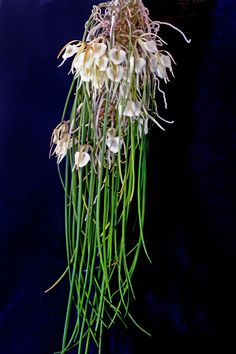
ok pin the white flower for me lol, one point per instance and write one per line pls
(166, 61)
(139, 65)
(78, 62)
(102, 63)
(159, 63)
(62, 146)
(71, 50)
(88, 58)
(117, 56)
(98, 80)
(115, 74)
(86, 74)
(161, 72)
(148, 46)
(114, 144)
(132, 109)
(81, 159)
(153, 63)
(99, 49)
(83, 62)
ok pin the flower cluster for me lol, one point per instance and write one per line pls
(97, 63)
(122, 55)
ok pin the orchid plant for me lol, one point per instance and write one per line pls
(118, 68)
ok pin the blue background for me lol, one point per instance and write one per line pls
(188, 292)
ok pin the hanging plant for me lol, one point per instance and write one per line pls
(118, 68)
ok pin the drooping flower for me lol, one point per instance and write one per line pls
(102, 62)
(115, 73)
(113, 141)
(159, 64)
(139, 65)
(86, 74)
(98, 80)
(88, 58)
(99, 49)
(117, 56)
(148, 46)
(114, 144)
(132, 109)
(62, 148)
(70, 51)
(82, 158)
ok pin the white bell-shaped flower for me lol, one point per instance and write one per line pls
(160, 63)
(81, 159)
(98, 80)
(102, 63)
(132, 109)
(148, 46)
(115, 74)
(139, 65)
(78, 61)
(117, 56)
(88, 58)
(62, 147)
(86, 74)
(165, 60)
(71, 50)
(161, 72)
(153, 63)
(99, 49)
(114, 144)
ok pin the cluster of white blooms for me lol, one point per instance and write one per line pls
(99, 65)
(95, 62)
(121, 54)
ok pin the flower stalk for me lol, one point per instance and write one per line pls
(118, 69)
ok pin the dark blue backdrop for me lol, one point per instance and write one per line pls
(188, 292)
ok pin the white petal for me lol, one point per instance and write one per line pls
(70, 51)
(117, 55)
(114, 144)
(98, 80)
(62, 148)
(153, 63)
(86, 75)
(161, 72)
(79, 62)
(81, 159)
(88, 58)
(139, 65)
(115, 74)
(102, 63)
(99, 49)
(165, 60)
(150, 46)
(132, 109)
